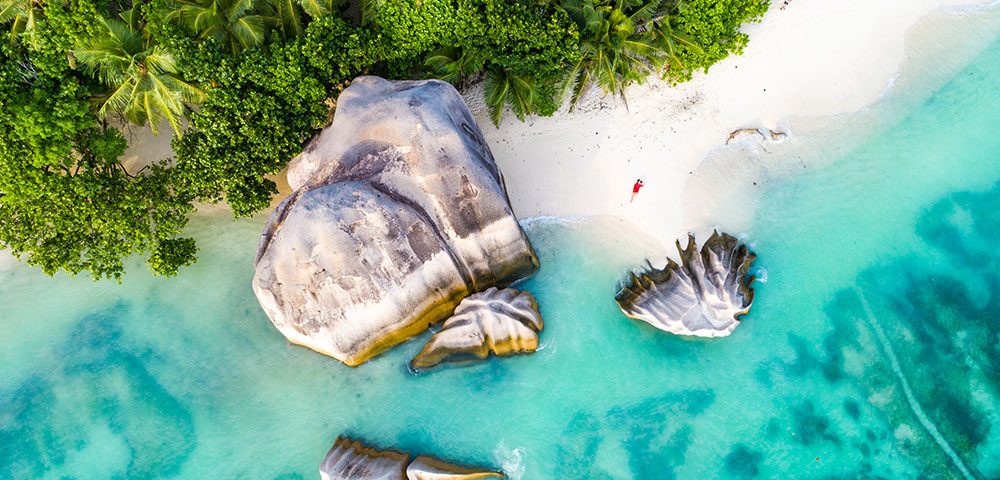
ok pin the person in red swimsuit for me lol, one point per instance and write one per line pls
(635, 189)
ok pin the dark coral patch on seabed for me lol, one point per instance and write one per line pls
(928, 327)
(653, 433)
(97, 370)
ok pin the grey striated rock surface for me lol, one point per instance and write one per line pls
(352, 460)
(704, 296)
(398, 213)
(504, 322)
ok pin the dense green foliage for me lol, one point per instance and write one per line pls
(254, 79)
(66, 203)
(258, 111)
(714, 27)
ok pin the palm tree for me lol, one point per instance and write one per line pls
(143, 78)
(233, 23)
(661, 25)
(24, 15)
(615, 53)
(504, 87)
(455, 65)
(285, 17)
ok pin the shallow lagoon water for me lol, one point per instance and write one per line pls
(871, 351)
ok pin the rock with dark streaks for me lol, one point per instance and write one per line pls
(398, 213)
(503, 322)
(352, 460)
(704, 296)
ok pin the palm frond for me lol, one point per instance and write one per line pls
(132, 18)
(119, 100)
(495, 92)
(249, 30)
(201, 18)
(286, 18)
(369, 9)
(503, 87)
(237, 9)
(643, 13)
(11, 9)
(318, 8)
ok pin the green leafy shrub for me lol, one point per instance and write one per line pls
(259, 108)
(714, 26)
(171, 254)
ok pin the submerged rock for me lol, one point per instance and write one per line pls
(351, 460)
(704, 296)
(505, 322)
(430, 468)
(398, 213)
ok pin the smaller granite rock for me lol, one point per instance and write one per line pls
(505, 322)
(704, 296)
(350, 460)
(430, 468)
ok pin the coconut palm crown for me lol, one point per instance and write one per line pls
(143, 77)
(622, 41)
(615, 53)
(233, 23)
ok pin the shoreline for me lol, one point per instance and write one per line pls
(584, 163)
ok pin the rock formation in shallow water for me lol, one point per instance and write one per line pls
(430, 468)
(351, 460)
(505, 322)
(398, 213)
(704, 296)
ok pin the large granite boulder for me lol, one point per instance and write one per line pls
(704, 296)
(398, 213)
(504, 322)
(351, 460)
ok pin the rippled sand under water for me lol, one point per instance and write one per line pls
(871, 352)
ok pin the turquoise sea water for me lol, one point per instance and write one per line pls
(870, 352)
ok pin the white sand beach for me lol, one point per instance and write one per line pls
(813, 59)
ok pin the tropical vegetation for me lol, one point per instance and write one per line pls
(244, 83)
